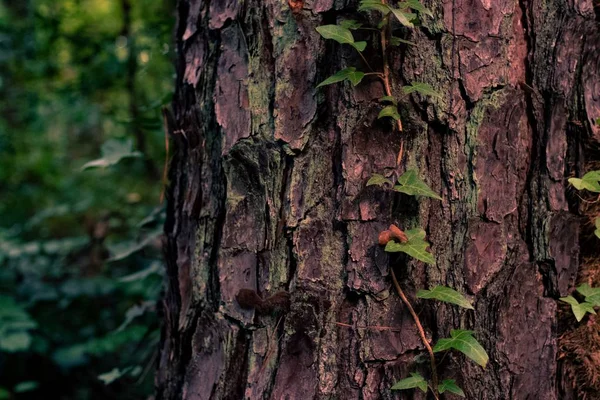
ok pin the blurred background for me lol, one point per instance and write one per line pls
(82, 153)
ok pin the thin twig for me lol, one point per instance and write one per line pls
(434, 378)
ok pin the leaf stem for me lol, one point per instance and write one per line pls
(434, 378)
(366, 62)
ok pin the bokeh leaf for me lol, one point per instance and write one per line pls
(113, 151)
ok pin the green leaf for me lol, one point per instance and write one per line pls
(403, 17)
(113, 151)
(588, 291)
(378, 180)
(597, 121)
(109, 377)
(336, 32)
(421, 87)
(579, 309)
(26, 386)
(350, 24)
(15, 323)
(449, 385)
(411, 184)
(124, 249)
(414, 381)
(349, 73)
(373, 5)
(4, 394)
(446, 294)
(417, 6)
(395, 41)
(597, 231)
(415, 247)
(360, 46)
(13, 342)
(391, 99)
(389, 111)
(590, 181)
(154, 268)
(464, 342)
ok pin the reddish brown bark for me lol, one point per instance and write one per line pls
(268, 193)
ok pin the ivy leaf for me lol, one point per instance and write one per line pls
(416, 246)
(360, 46)
(449, 385)
(389, 111)
(373, 5)
(592, 295)
(414, 381)
(350, 24)
(421, 87)
(395, 41)
(336, 32)
(464, 342)
(113, 151)
(403, 17)
(411, 184)
(417, 6)
(379, 180)
(597, 231)
(391, 99)
(579, 309)
(349, 73)
(446, 294)
(590, 181)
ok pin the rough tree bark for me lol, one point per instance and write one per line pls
(268, 193)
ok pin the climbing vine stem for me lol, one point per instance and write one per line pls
(412, 241)
(434, 377)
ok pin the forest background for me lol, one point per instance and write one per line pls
(82, 152)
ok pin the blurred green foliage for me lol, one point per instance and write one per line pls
(81, 150)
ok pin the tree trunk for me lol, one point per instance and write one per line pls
(268, 192)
